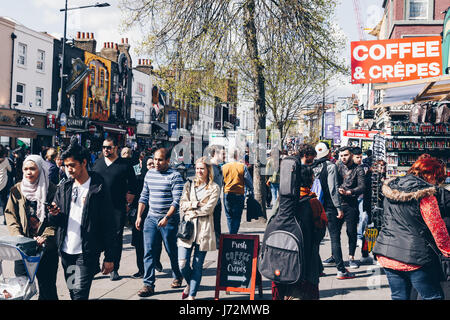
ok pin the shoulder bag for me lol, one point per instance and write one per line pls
(186, 228)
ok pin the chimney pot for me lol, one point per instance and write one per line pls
(117, 46)
(83, 35)
(78, 35)
(92, 35)
(126, 40)
(123, 40)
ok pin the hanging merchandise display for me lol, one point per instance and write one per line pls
(425, 132)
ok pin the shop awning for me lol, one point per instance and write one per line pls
(44, 132)
(416, 91)
(15, 132)
(114, 128)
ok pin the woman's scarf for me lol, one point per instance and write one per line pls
(37, 191)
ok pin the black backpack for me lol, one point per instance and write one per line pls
(281, 257)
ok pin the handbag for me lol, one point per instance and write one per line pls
(185, 228)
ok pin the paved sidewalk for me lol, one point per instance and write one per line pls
(370, 283)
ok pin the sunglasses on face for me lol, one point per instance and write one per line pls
(107, 147)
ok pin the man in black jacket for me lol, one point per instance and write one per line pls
(352, 185)
(121, 183)
(81, 212)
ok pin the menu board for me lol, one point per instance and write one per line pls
(237, 262)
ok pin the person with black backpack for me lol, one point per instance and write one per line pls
(312, 218)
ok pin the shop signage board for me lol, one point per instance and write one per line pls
(329, 125)
(395, 60)
(237, 264)
(337, 135)
(173, 117)
(364, 134)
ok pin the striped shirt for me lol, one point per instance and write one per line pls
(161, 191)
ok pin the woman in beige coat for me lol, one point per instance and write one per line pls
(197, 205)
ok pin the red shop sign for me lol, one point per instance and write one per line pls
(360, 134)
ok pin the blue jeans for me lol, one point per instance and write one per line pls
(424, 280)
(274, 187)
(192, 275)
(153, 238)
(234, 205)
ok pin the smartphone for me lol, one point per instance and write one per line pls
(48, 205)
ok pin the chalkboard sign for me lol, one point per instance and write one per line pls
(237, 262)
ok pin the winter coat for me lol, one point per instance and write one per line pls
(204, 216)
(403, 236)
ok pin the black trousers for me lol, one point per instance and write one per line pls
(217, 218)
(138, 243)
(78, 274)
(351, 218)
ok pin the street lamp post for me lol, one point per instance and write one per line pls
(62, 75)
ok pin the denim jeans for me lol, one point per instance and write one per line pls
(335, 226)
(274, 187)
(424, 280)
(234, 205)
(192, 275)
(154, 236)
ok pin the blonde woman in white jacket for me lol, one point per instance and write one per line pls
(197, 205)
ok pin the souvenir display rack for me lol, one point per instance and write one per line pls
(379, 153)
(409, 140)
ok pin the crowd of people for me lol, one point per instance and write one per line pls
(76, 208)
(415, 217)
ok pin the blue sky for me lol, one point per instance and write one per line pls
(44, 15)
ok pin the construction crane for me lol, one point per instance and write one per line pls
(359, 25)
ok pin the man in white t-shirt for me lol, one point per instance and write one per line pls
(81, 212)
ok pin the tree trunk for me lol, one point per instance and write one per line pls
(259, 98)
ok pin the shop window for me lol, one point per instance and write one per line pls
(418, 9)
(40, 66)
(20, 93)
(4, 141)
(22, 60)
(39, 97)
(102, 78)
(139, 115)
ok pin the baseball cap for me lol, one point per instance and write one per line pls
(322, 150)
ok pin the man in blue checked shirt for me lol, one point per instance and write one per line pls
(162, 191)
